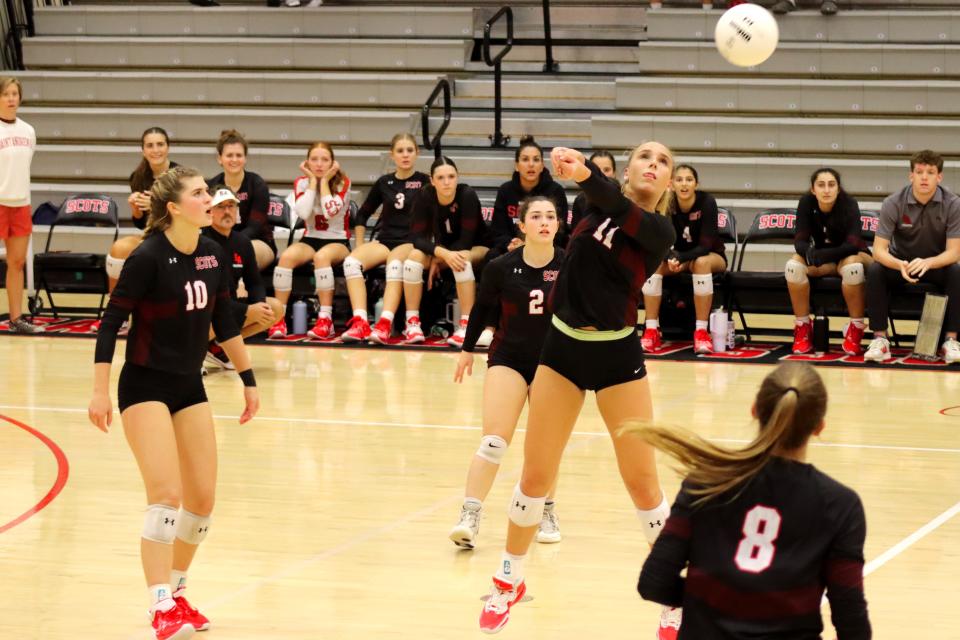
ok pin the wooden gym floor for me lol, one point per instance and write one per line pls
(334, 504)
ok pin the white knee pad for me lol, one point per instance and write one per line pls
(114, 267)
(192, 528)
(492, 449)
(653, 286)
(655, 519)
(852, 274)
(412, 272)
(352, 268)
(795, 272)
(324, 278)
(466, 275)
(282, 279)
(702, 284)
(525, 511)
(395, 271)
(160, 524)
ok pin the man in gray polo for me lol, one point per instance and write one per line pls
(918, 241)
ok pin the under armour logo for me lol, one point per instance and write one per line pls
(169, 521)
(655, 524)
(517, 270)
(202, 529)
(173, 260)
(523, 507)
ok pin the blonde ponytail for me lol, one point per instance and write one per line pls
(166, 189)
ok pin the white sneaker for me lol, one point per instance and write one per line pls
(878, 351)
(464, 534)
(483, 342)
(951, 350)
(456, 340)
(413, 333)
(549, 531)
(670, 619)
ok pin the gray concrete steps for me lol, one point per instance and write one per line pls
(538, 92)
(474, 130)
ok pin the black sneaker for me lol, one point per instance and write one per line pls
(23, 326)
(783, 6)
(217, 357)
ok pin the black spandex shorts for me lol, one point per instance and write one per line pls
(392, 244)
(319, 243)
(176, 390)
(526, 367)
(239, 311)
(594, 365)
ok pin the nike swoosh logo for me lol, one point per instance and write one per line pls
(637, 370)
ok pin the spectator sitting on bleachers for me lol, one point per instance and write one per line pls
(829, 242)
(322, 201)
(448, 232)
(608, 165)
(530, 178)
(253, 192)
(394, 194)
(155, 146)
(698, 250)
(918, 240)
(255, 312)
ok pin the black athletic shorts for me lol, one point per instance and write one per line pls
(176, 390)
(239, 311)
(392, 244)
(319, 243)
(593, 364)
(526, 367)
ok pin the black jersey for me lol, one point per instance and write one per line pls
(519, 293)
(142, 182)
(254, 196)
(174, 297)
(396, 197)
(241, 263)
(610, 254)
(696, 229)
(457, 226)
(822, 238)
(506, 208)
(758, 562)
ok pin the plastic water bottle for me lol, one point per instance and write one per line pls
(718, 330)
(821, 333)
(377, 309)
(731, 334)
(299, 317)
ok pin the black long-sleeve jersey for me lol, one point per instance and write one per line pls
(506, 208)
(141, 183)
(610, 254)
(241, 263)
(822, 238)
(517, 292)
(254, 195)
(174, 297)
(758, 562)
(396, 196)
(696, 229)
(457, 226)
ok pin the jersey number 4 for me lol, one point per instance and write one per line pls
(536, 302)
(761, 526)
(196, 294)
(602, 234)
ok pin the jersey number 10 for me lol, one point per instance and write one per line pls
(196, 294)
(761, 526)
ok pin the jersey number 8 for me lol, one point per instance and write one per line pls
(761, 526)
(196, 294)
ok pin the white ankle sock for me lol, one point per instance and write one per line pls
(858, 323)
(652, 324)
(511, 568)
(326, 312)
(161, 597)
(360, 313)
(801, 320)
(414, 313)
(702, 324)
(387, 315)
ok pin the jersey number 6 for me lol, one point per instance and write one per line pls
(761, 526)
(196, 294)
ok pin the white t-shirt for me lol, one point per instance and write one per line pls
(325, 218)
(17, 142)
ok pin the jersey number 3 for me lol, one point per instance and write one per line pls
(196, 294)
(536, 302)
(761, 526)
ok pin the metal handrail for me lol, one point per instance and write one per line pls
(550, 65)
(442, 86)
(497, 139)
(19, 21)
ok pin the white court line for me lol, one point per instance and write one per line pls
(465, 427)
(907, 542)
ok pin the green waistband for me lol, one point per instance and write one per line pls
(592, 336)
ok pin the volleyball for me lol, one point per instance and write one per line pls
(746, 35)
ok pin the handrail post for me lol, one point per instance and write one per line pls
(442, 86)
(550, 65)
(497, 139)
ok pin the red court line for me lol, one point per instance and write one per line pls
(63, 471)
(947, 412)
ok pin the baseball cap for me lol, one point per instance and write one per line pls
(223, 195)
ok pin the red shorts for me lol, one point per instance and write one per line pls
(15, 222)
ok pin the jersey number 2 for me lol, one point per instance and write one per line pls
(605, 236)
(196, 294)
(536, 302)
(761, 526)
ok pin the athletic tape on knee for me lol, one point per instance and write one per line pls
(492, 449)
(192, 528)
(114, 267)
(395, 271)
(160, 524)
(282, 279)
(324, 277)
(352, 268)
(852, 274)
(795, 272)
(525, 511)
(413, 272)
(653, 286)
(655, 519)
(702, 284)
(466, 275)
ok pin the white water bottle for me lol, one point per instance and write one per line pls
(299, 317)
(731, 334)
(718, 330)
